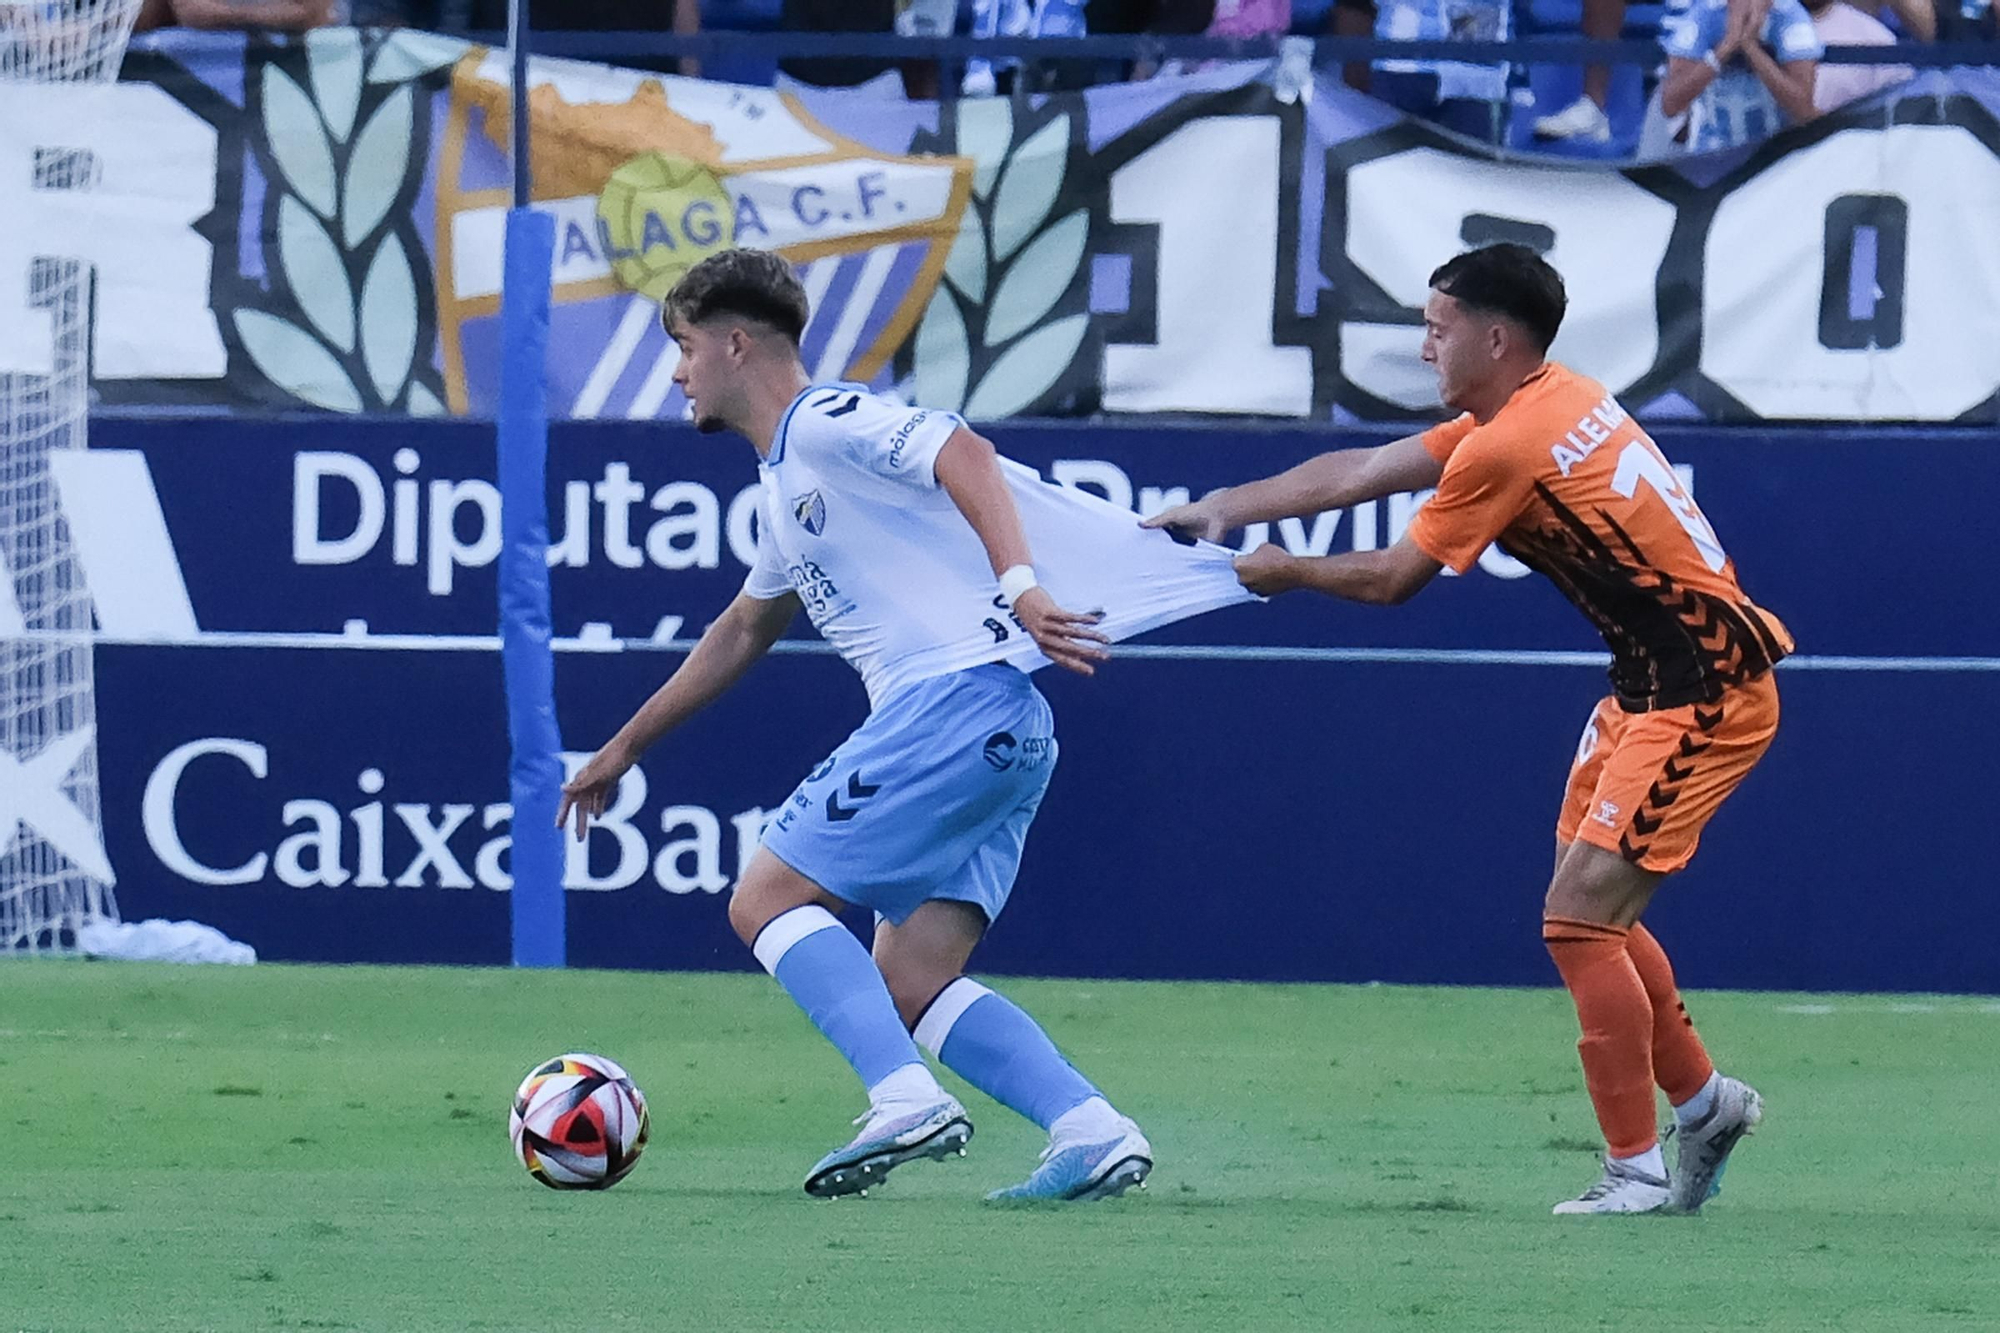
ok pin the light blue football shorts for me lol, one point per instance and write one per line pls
(930, 798)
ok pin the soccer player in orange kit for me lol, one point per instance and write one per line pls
(1548, 464)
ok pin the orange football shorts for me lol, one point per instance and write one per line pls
(1645, 784)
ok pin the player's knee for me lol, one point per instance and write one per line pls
(744, 917)
(753, 903)
(912, 988)
(1592, 884)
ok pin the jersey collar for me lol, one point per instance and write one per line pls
(777, 454)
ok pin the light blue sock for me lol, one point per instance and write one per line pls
(991, 1043)
(833, 979)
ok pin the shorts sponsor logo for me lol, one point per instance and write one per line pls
(1003, 752)
(1607, 814)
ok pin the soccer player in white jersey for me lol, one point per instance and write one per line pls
(941, 572)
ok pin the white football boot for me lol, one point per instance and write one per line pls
(1623, 1188)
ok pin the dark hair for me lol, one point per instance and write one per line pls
(1509, 280)
(750, 284)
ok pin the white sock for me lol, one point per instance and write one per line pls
(912, 1084)
(1094, 1118)
(1699, 1105)
(1651, 1161)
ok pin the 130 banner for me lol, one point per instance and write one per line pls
(318, 224)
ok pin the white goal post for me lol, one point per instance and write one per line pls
(53, 875)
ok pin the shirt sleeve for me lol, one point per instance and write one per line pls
(881, 437)
(767, 580)
(1440, 440)
(1685, 33)
(1793, 36)
(1482, 491)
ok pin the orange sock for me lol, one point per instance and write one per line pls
(1617, 1020)
(1680, 1062)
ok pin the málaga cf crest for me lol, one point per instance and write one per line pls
(810, 511)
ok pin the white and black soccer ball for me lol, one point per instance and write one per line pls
(579, 1123)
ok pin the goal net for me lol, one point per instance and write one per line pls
(53, 876)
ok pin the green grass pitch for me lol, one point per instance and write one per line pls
(325, 1148)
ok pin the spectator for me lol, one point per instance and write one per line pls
(1584, 118)
(1459, 96)
(1017, 18)
(1237, 18)
(1737, 70)
(1971, 21)
(1250, 18)
(1914, 20)
(1354, 18)
(1841, 24)
(283, 15)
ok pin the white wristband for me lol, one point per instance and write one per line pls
(1708, 58)
(1017, 581)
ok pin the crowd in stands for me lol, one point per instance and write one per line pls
(1733, 71)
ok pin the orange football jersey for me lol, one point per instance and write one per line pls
(1566, 482)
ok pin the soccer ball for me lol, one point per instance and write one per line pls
(579, 1123)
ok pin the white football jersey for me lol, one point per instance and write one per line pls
(854, 522)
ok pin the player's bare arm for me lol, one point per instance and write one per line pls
(1330, 481)
(969, 471)
(741, 635)
(1381, 578)
(1687, 79)
(1790, 82)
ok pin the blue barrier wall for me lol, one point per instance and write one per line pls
(1235, 809)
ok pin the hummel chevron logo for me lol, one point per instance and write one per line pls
(857, 791)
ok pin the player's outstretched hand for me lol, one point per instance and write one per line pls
(590, 791)
(1268, 570)
(1200, 521)
(1070, 639)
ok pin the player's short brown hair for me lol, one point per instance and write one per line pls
(1510, 280)
(749, 284)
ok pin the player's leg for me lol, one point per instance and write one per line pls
(1717, 747)
(1593, 898)
(994, 1045)
(788, 921)
(1681, 1067)
(1712, 1111)
(1643, 789)
(893, 813)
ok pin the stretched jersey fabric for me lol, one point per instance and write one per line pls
(1568, 484)
(854, 521)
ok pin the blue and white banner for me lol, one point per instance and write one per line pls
(385, 528)
(317, 224)
(1302, 790)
